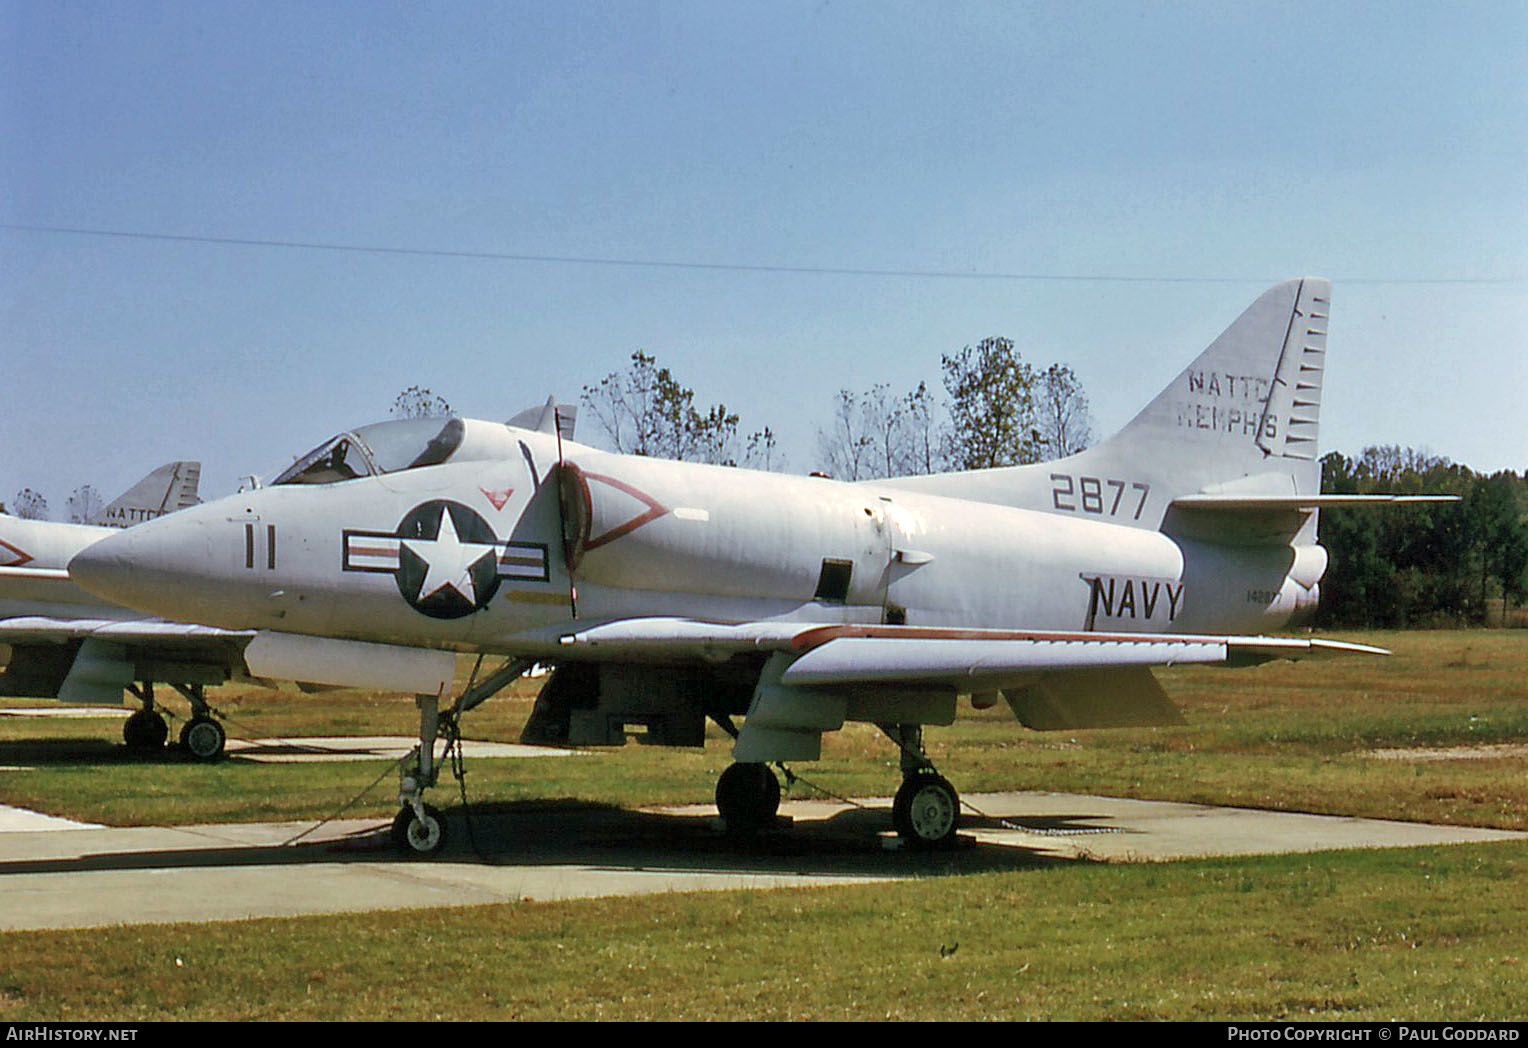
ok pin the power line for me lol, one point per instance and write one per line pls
(736, 267)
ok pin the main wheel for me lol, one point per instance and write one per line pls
(145, 731)
(747, 796)
(418, 837)
(926, 811)
(203, 738)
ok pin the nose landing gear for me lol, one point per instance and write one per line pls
(419, 828)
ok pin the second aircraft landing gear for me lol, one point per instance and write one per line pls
(748, 797)
(203, 738)
(146, 731)
(926, 810)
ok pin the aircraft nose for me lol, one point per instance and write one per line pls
(143, 567)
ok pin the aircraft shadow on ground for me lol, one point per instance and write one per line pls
(64, 751)
(606, 837)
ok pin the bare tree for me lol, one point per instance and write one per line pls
(419, 402)
(846, 446)
(762, 451)
(874, 434)
(31, 505)
(1061, 413)
(645, 411)
(85, 504)
(920, 433)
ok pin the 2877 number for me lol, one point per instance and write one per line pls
(1094, 495)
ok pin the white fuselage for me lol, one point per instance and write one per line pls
(371, 559)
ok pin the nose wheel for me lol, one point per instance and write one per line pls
(419, 829)
(421, 833)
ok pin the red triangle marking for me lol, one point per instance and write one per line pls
(498, 498)
(21, 556)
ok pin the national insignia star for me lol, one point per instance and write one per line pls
(449, 561)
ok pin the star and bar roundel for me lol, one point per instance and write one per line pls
(446, 559)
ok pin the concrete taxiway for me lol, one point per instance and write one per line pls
(72, 876)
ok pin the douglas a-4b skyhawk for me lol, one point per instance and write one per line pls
(666, 593)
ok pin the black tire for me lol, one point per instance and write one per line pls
(203, 738)
(416, 838)
(145, 731)
(748, 797)
(926, 811)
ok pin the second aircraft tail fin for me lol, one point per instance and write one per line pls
(171, 487)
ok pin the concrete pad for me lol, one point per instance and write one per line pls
(65, 878)
(1122, 830)
(376, 747)
(19, 820)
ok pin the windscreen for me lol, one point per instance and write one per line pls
(383, 447)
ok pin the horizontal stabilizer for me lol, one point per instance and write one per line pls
(1237, 519)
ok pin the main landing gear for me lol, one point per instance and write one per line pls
(926, 809)
(419, 828)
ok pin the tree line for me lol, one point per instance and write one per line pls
(1462, 562)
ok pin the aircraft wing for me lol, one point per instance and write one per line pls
(1053, 680)
(91, 661)
(36, 628)
(969, 657)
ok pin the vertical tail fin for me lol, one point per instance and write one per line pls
(171, 487)
(1243, 418)
(1253, 396)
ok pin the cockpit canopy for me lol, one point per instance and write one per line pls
(383, 447)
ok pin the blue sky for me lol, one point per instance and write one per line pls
(1202, 151)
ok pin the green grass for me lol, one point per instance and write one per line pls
(1419, 934)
